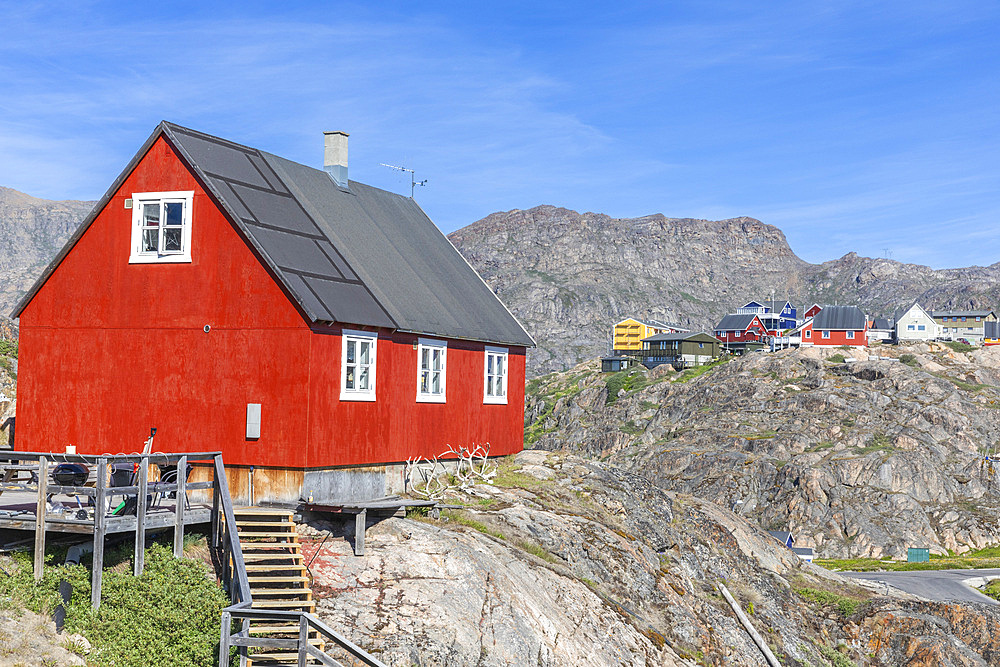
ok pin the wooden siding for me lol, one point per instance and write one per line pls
(109, 349)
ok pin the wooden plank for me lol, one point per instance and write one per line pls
(179, 507)
(140, 519)
(215, 512)
(303, 640)
(264, 642)
(43, 480)
(100, 519)
(360, 521)
(225, 638)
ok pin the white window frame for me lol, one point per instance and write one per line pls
(137, 255)
(826, 333)
(809, 333)
(499, 352)
(850, 334)
(431, 346)
(348, 335)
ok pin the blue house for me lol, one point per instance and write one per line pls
(776, 315)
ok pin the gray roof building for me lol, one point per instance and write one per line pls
(840, 318)
(961, 313)
(343, 251)
(735, 322)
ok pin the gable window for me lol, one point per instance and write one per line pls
(826, 334)
(357, 368)
(431, 355)
(161, 227)
(809, 333)
(495, 375)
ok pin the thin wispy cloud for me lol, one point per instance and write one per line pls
(851, 126)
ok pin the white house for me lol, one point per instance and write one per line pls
(915, 323)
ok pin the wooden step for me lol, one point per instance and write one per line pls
(275, 568)
(271, 556)
(271, 545)
(286, 524)
(278, 579)
(262, 511)
(292, 628)
(279, 591)
(247, 535)
(309, 605)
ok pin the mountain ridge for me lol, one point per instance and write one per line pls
(569, 276)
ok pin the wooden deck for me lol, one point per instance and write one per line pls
(18, 508)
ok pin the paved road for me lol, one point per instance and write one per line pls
(937, 585)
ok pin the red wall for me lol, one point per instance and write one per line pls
(754, 332)
(108, 349)
(838, 338)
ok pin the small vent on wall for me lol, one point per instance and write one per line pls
(128, 203)
(253, 421)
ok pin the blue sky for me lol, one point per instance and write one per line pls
(849, 125)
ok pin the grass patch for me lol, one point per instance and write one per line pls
(692, 373)
(509, 476)
(8, 348)
(631, 380)
(631, 428)
(648, 405)
(837, 358)
(836, 658)
(820, 446)
(169, 616)
(879, 442)
(993, 589)
(964, 562)
(844, 604)
(961, 384)
(463, 519)
(909, 360)
(762, 435)
(959, 346)
(536, 549)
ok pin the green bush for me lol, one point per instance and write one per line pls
(959, 347)
(8, 348)
(837, 359)
(844, 604)
(908, 359)
(169, 616)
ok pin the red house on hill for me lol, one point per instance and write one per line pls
(301, 323)
(735, 331)
(835, 326)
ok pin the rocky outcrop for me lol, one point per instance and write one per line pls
(565, 561)
(856, 459)
(32, 231)
(570, 276)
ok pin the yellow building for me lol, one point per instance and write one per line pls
(628, 334)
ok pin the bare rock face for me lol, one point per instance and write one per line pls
(859, 459)
(32, 231)
(570, 562)
(570, 276)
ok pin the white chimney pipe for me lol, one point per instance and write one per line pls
(335, 156)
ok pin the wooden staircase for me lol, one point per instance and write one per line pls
(276, 571)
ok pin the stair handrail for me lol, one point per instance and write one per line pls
(226, 536)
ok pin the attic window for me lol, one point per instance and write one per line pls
(161, 227)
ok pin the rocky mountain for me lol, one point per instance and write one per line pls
(32, 231)
(859, 459)
(563, 561)
(569, 276)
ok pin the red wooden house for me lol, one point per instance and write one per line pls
(812, 311)
(835, 326)
(301, 323)
(735, 331)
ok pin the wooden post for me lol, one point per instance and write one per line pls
(303, 639)
(216, 508)
(224, 639)
(100, 523)
(43, 484)
(360, 520)
(181, 496)
(140, 517)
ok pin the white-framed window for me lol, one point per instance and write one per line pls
(910, 327)
(357, 366)
(739, 334)
(431, 362)
(850, 334)
(161, 227)
(826, 334)
(809, 333)
(921, 327)
(495, 375)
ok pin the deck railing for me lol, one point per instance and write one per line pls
(94, 518)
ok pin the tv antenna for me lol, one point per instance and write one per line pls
(413, 181)
(887, 253)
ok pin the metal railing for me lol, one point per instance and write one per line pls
(234, 576)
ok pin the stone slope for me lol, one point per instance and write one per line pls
(32, 231)
(569, 276)
(856, 459)
(567, 562)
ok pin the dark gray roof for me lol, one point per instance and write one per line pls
(840, 318)
(359, 256)
(882, 323)
(734, 323)
(681, 336)
(782, 536)
(991, 330)
(961, 313)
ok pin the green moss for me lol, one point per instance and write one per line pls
(837, 358)
(959, 347)
(908, 359)
(692, 373)
(463, 519)
(537, 550)
(844, 604)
